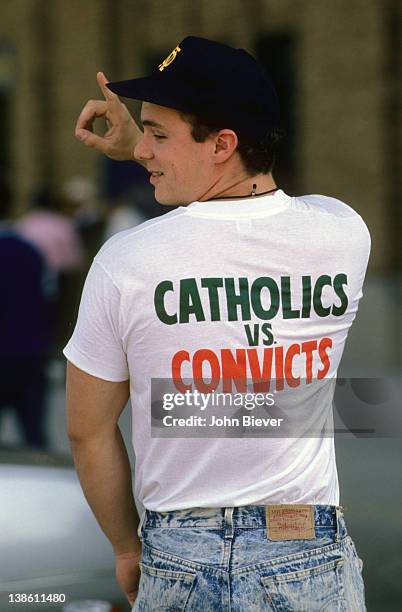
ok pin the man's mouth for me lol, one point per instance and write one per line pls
(154, 176)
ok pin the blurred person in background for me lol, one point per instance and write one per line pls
(121, 215)
(129, 181)
(83, 202)
(52, 231)
(50, 226)
(24, 328)
(127, 195)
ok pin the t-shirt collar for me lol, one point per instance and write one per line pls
(254, 206)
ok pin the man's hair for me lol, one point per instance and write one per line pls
(257, 158)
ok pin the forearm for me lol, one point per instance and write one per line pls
(104, 471)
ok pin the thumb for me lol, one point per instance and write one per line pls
(91, 140)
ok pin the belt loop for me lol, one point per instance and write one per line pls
(338, 527)
(141, 524)
(229, 522)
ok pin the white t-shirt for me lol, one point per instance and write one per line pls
(263, 288)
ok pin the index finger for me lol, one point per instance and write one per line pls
(91, 110)
(109, 95)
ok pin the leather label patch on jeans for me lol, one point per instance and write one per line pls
(290, 522)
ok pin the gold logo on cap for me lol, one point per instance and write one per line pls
(170, 58)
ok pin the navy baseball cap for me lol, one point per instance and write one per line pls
(225, 86)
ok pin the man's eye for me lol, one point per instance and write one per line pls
(159, 136)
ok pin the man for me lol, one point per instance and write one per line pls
(240, 288)
(25, 334)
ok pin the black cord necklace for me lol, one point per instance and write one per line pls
(253, 193)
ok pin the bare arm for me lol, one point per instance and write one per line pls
(123, 133)
(93, 409)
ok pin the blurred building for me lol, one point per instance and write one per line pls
(335, 65)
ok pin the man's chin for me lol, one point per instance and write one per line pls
(166, 201)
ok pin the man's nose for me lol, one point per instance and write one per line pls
(142, 151)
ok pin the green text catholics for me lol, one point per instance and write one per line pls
(216, 299)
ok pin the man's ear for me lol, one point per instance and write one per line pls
(226, 142)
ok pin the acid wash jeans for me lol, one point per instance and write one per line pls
(220, 560)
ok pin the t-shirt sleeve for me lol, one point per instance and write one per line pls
(96, 345)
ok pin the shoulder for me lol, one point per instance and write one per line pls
(331, 212)
(11, 242)
(321, 204)
(22, 261)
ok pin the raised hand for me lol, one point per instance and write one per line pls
(122, 134)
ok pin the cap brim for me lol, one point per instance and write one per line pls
(149, 89)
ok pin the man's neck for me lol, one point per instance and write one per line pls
(245, 187)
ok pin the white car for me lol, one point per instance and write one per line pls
(51, 544)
